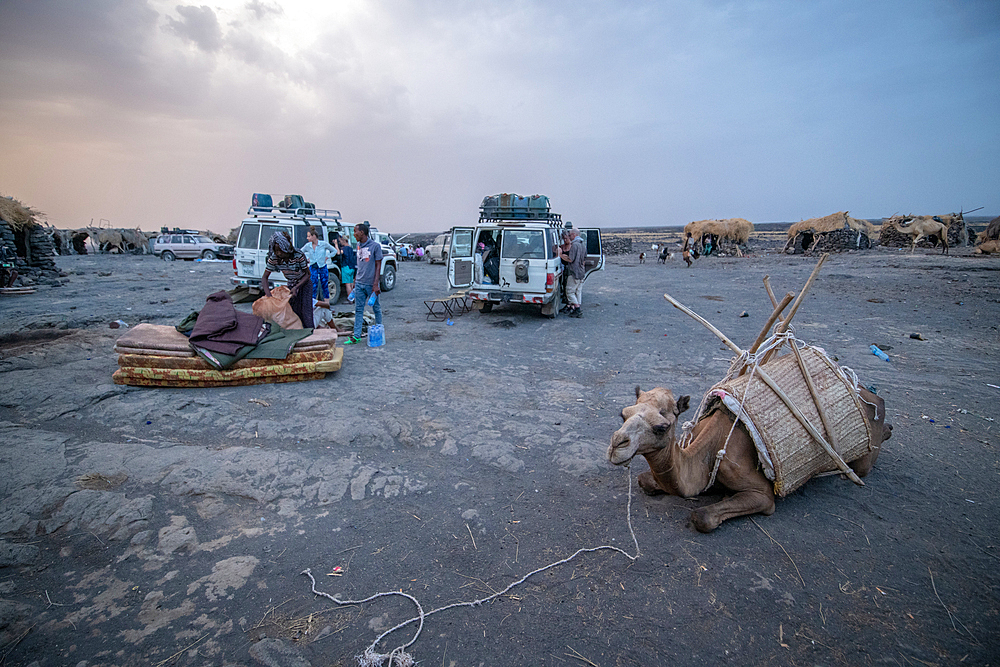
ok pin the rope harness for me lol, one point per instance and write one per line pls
(398, 657)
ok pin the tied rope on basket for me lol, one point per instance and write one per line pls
(398, 657)
(780, 430)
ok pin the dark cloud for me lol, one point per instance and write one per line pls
(198, 24)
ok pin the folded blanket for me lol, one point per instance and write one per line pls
(221, 328)
(197, 363)
(271, 370)
(119, 378)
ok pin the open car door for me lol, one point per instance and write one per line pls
(595, 253)
(460, 259)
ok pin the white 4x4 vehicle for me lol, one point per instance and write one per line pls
(510, 255)
(294, 216)
(171, 246)
(438, 251)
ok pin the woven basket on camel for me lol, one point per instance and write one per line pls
(788, 454)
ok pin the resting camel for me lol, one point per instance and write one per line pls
(650, 430)
(922, 226)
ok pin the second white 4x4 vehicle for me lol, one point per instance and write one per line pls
(294, 216)
(510, 255)
(171, 246)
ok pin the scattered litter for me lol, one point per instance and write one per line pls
(992, 385)
(118, 324)
(259, 402)
(448, 370)
(450, 323)
(337, 572)
(744, 314)
(879, 353)
(970, 501)
(916, 336)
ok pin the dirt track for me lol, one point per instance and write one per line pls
(460, 457)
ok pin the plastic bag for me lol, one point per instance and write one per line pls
(276, 309)
(376, 335)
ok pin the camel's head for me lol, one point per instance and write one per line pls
(649, 424)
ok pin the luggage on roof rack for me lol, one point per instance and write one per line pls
(261, 200)
(516, 207)
(292, 202)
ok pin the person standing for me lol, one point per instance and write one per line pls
(317, 253)
(573, 258)
(347, 266)
(366, 279)
(282, 256)
(8, 260)
(688, 249)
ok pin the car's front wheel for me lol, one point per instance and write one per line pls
(168, 256)
(388, 279)
(208, 254)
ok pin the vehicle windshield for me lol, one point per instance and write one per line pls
(523, 244)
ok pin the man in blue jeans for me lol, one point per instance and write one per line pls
(366, 279)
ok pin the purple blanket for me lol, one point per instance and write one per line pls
(221, 328)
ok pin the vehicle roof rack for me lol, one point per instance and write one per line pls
(307, 214)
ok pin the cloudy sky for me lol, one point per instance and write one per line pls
(408, 112)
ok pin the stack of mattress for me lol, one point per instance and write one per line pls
(153, 355)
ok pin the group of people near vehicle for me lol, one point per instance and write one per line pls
(305, 270)
(408, 251)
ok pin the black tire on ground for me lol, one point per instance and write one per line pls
(487, 307)
(388, 280)
(208, 254)
(556, 303)
(168, 256)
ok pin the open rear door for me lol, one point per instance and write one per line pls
(595, 252)
(460, 259)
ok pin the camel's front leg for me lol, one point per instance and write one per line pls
(707, 519)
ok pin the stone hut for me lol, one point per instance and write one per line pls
(32, 242)
(836, 232)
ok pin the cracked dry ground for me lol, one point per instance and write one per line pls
(171, 527)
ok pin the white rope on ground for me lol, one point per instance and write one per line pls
(398, 657)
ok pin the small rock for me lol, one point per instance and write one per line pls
(916, 336)
(744, 314)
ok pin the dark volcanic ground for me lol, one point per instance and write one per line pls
(461, 457)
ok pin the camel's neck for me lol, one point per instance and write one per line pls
(683, 472)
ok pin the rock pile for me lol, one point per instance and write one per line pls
(617, 245)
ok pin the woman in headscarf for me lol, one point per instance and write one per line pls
(282, 256)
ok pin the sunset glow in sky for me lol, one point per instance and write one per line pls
(407, 113)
